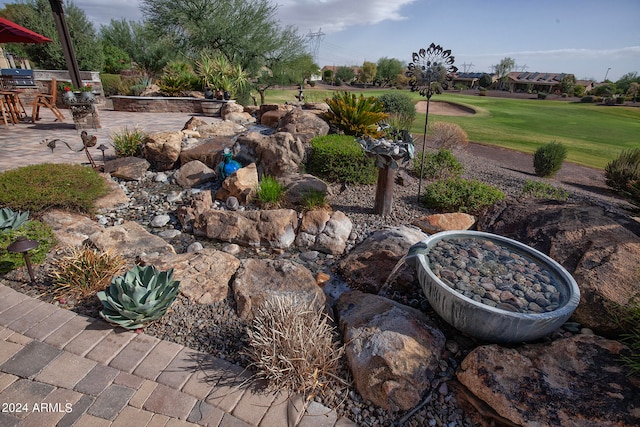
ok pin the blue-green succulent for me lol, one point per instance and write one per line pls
(140, 296)
(10, 220)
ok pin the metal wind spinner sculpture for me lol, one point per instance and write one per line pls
(428, 73)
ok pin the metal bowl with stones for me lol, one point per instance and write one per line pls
(493, 288)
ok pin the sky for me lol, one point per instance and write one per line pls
(588, 38)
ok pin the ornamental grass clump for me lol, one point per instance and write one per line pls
(292, 345)
(623, 170)
(128, 142)
(542, 190)
(461, 195)
(448, 135)
(140, 296)
(84, 271)
(270, 192)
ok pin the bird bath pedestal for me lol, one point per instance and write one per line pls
(83, 110)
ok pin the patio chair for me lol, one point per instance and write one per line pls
(47, 100)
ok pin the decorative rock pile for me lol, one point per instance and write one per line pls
(398, 354)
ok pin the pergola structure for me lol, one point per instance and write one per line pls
(65, 41)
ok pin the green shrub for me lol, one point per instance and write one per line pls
(355, 115)
(47, 186)
(625, 168)
(547, 160)
(111, 84)
(587, 99)
(542, 95)
(339, 158)
(439, 165)
(270, 191)
(578, 90)
(401, 109)
(542, 190)
(633, 192)
(461, 195)
(128, 142)
(32, 230)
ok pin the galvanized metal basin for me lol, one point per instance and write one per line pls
(483, 321)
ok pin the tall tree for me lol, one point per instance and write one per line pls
(247, 32)
(280, 72)
(37, 16)
(503, 69)
(345, 74)
(367, 72)
(387, 70)
(145, 48)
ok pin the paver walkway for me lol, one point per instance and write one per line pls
(58, 368)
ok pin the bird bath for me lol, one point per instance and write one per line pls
(493, 288)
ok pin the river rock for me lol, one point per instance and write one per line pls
(599, 248)
(193, 174)
(576, 381)
(127, 168)
(130, 240)
(368, 265)
(259, 279)
(204, 275)
(393, 350)
(242, 184)
(273, 228)
(162, 149)
(324, 231)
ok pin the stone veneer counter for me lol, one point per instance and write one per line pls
(160, 104)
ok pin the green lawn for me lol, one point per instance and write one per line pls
(593, 134)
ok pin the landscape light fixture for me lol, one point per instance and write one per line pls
(22, 245)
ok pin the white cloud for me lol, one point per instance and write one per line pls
(336, 15)
(625, 52)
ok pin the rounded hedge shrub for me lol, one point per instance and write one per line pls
(461, 195)
(622, 170)
(339, 158)
(547, 160)
(439, 165)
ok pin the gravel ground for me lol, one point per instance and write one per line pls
(216, 329)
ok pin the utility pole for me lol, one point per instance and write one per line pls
(314, 43)
(606, 74)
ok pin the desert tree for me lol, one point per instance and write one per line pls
(388, 70)
(367, 72)
(504, 67)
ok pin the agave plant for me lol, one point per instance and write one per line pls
(140, 296)
(10, 220)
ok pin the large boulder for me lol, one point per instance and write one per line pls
(435, 223)
(577, 381)
(297, 186)
(208, 151)
(70, 229)
(127, 168)
(200, 202)
(242, 184)
(259, 279)
(205, 276)
(274, 228)
(114, 198)
(393, 350)
(220, 128)
(275, 155)
(162, 149)
(368, 265)
(130, 240)
(193, 174)
(303, 125)
(324, 231)
(598, 247)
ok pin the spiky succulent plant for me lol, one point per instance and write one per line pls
(10, 220)
(140, 296)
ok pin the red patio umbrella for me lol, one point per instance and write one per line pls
(10, 32)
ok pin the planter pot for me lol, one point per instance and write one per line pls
(211, 108)
(87, 97)
(68, 97)
(516, 272)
